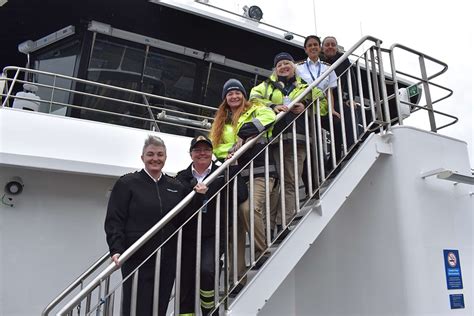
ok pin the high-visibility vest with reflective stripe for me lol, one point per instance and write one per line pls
(258, 114)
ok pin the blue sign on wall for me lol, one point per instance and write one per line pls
(456, 300)
(452, 265)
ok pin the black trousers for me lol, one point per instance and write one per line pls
(337, 145)
(337, 133)
(146, 278)
(188, 274)
(348, 124)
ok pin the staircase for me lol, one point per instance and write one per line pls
(326, 197)
(318, 213)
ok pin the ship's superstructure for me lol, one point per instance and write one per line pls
(385, 231)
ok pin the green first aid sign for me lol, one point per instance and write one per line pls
(413, 90)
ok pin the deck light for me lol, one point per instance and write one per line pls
(449, 175)
(254, 12)
(14, 186)
(288, 36)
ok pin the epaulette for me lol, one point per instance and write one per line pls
(297, 63)
(172, 180)
(325, 63)
(129, 174)
(168, 176)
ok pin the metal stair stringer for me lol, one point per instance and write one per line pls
(261, 287)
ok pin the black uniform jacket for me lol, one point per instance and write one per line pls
(209, 214)
(137, 203)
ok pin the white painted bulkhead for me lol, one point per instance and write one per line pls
(382, 252)
(51, 235)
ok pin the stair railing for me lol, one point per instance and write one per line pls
(77, 283)
(379, 119)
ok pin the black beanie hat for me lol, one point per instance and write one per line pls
(282, 56)
(233, 84)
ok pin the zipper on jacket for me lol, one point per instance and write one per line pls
(159, 199)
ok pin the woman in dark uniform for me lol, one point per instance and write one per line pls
(138, 201)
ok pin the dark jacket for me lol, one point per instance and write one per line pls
(209, 214)
(135, 205)
(341, 70)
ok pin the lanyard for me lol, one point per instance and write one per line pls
(319, 70)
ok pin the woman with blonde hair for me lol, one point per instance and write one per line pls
(279, 90)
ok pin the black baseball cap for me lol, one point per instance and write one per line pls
(199, 139)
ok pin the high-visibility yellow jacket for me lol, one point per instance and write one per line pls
(272, 92)
(256, 119)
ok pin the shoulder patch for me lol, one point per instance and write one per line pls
(171, 179)
(300, 62)
(129, 175)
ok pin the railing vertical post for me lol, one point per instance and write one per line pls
(386, 109)
(52, 94)
(376, 90)
(320, 142)
(10, 90)
(177, 293)
(217, 248)
(227, 250)
(361, 95)
(369, 86)
(426, 88)
(133, 298)
(341, 112)
(267, 196)
(296, 181)
(156, 284)
(282, 181)
(314, 171)
(331, 132)
(106, 296)
(197, 296)
(308, 151)
(352, 107)
(111, 302)
(88, 302)
(395, 87)
(252, 212)
(235, 241)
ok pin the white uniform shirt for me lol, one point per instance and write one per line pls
(200, 176)
(310, 71)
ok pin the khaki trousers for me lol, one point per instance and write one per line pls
(243, 225)
(289, 182)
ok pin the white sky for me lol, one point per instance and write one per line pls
(439, 29)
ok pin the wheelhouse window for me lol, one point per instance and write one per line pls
(132, 66)
(60, 59)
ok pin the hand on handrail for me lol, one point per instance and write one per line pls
(236, 147)
(200, 188)
(298, 108)
(114, 259)
(280, 108)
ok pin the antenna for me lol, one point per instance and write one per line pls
(314, 18)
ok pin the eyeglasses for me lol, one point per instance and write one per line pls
(201, 150)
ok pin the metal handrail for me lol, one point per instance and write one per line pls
(177, 209)
(27, 70)
(77, 282)
(200, 121)
(425, 80)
